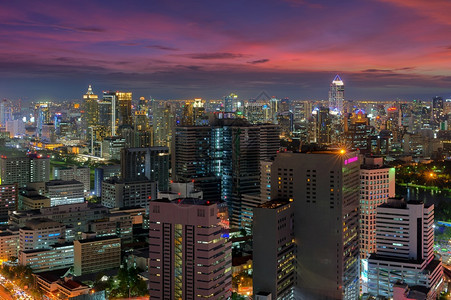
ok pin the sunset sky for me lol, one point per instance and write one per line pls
(383, 49)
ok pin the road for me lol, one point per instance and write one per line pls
(4, 295)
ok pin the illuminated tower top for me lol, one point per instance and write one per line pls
(336, 95)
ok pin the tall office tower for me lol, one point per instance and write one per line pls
(94, 255)
(229, 150)
(200, 118)
(40, 233)
(265, 179)
(141, 122)
(357, 130)
(269, 141)
(405, 241)
(286, 123)
(64, 192)
(324, 126)
(230, 103)
(437, 109)
(9, 199)
(42, 116)
(324, 187)
(111, 98)
(187, 118)
(106, 115)
(15, 170)
(163, 123)
(81, 174)
(3, 106)
(377, 184)
(112, 147)
(336, 95)
(237, 144)
(274, 108)
(189, 257)
(103, 173)
(274, 257)
(124, 101)
(151, 162)
(90, 108)
(193, 160)
(119, 193)
(257, 112)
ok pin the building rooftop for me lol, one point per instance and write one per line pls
(98, 239)
(187, 201)
(273, 204)
(62, 182)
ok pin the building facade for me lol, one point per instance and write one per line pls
(189, 256)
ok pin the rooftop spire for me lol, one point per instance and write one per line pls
(89, 92)
(337, 80)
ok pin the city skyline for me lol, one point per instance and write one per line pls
(382, 49)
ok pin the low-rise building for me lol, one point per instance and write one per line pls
(57, 256)
(40, 234)
(65, 192)
(9, 245)
(93, 255)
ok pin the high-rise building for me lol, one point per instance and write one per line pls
(357, 131)
(9, 200)
(404, 253)
(437, 109)
(224, 155)
(151, 162)
(42, 116)
(15, 170)
(39, 168)
(163, 123)
(96, 254)
(324, 188)
(190, 257)
(124, 108)
(90, 109)
(377, 184)
(336, 95)
(323, 126)
(103, 173)
(230, 103)
(24, 169)
(106, 110)
(274, 260)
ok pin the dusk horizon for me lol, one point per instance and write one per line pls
(383, 49)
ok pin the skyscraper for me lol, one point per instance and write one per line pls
(111, 98)
(324, 188)
(274, 261)
(124, 101)
(190, 255)
(324, 126)
(437, 109)
(151, 162)
(229, 150)
(377, 184)
(90, 108)
(336, 95)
